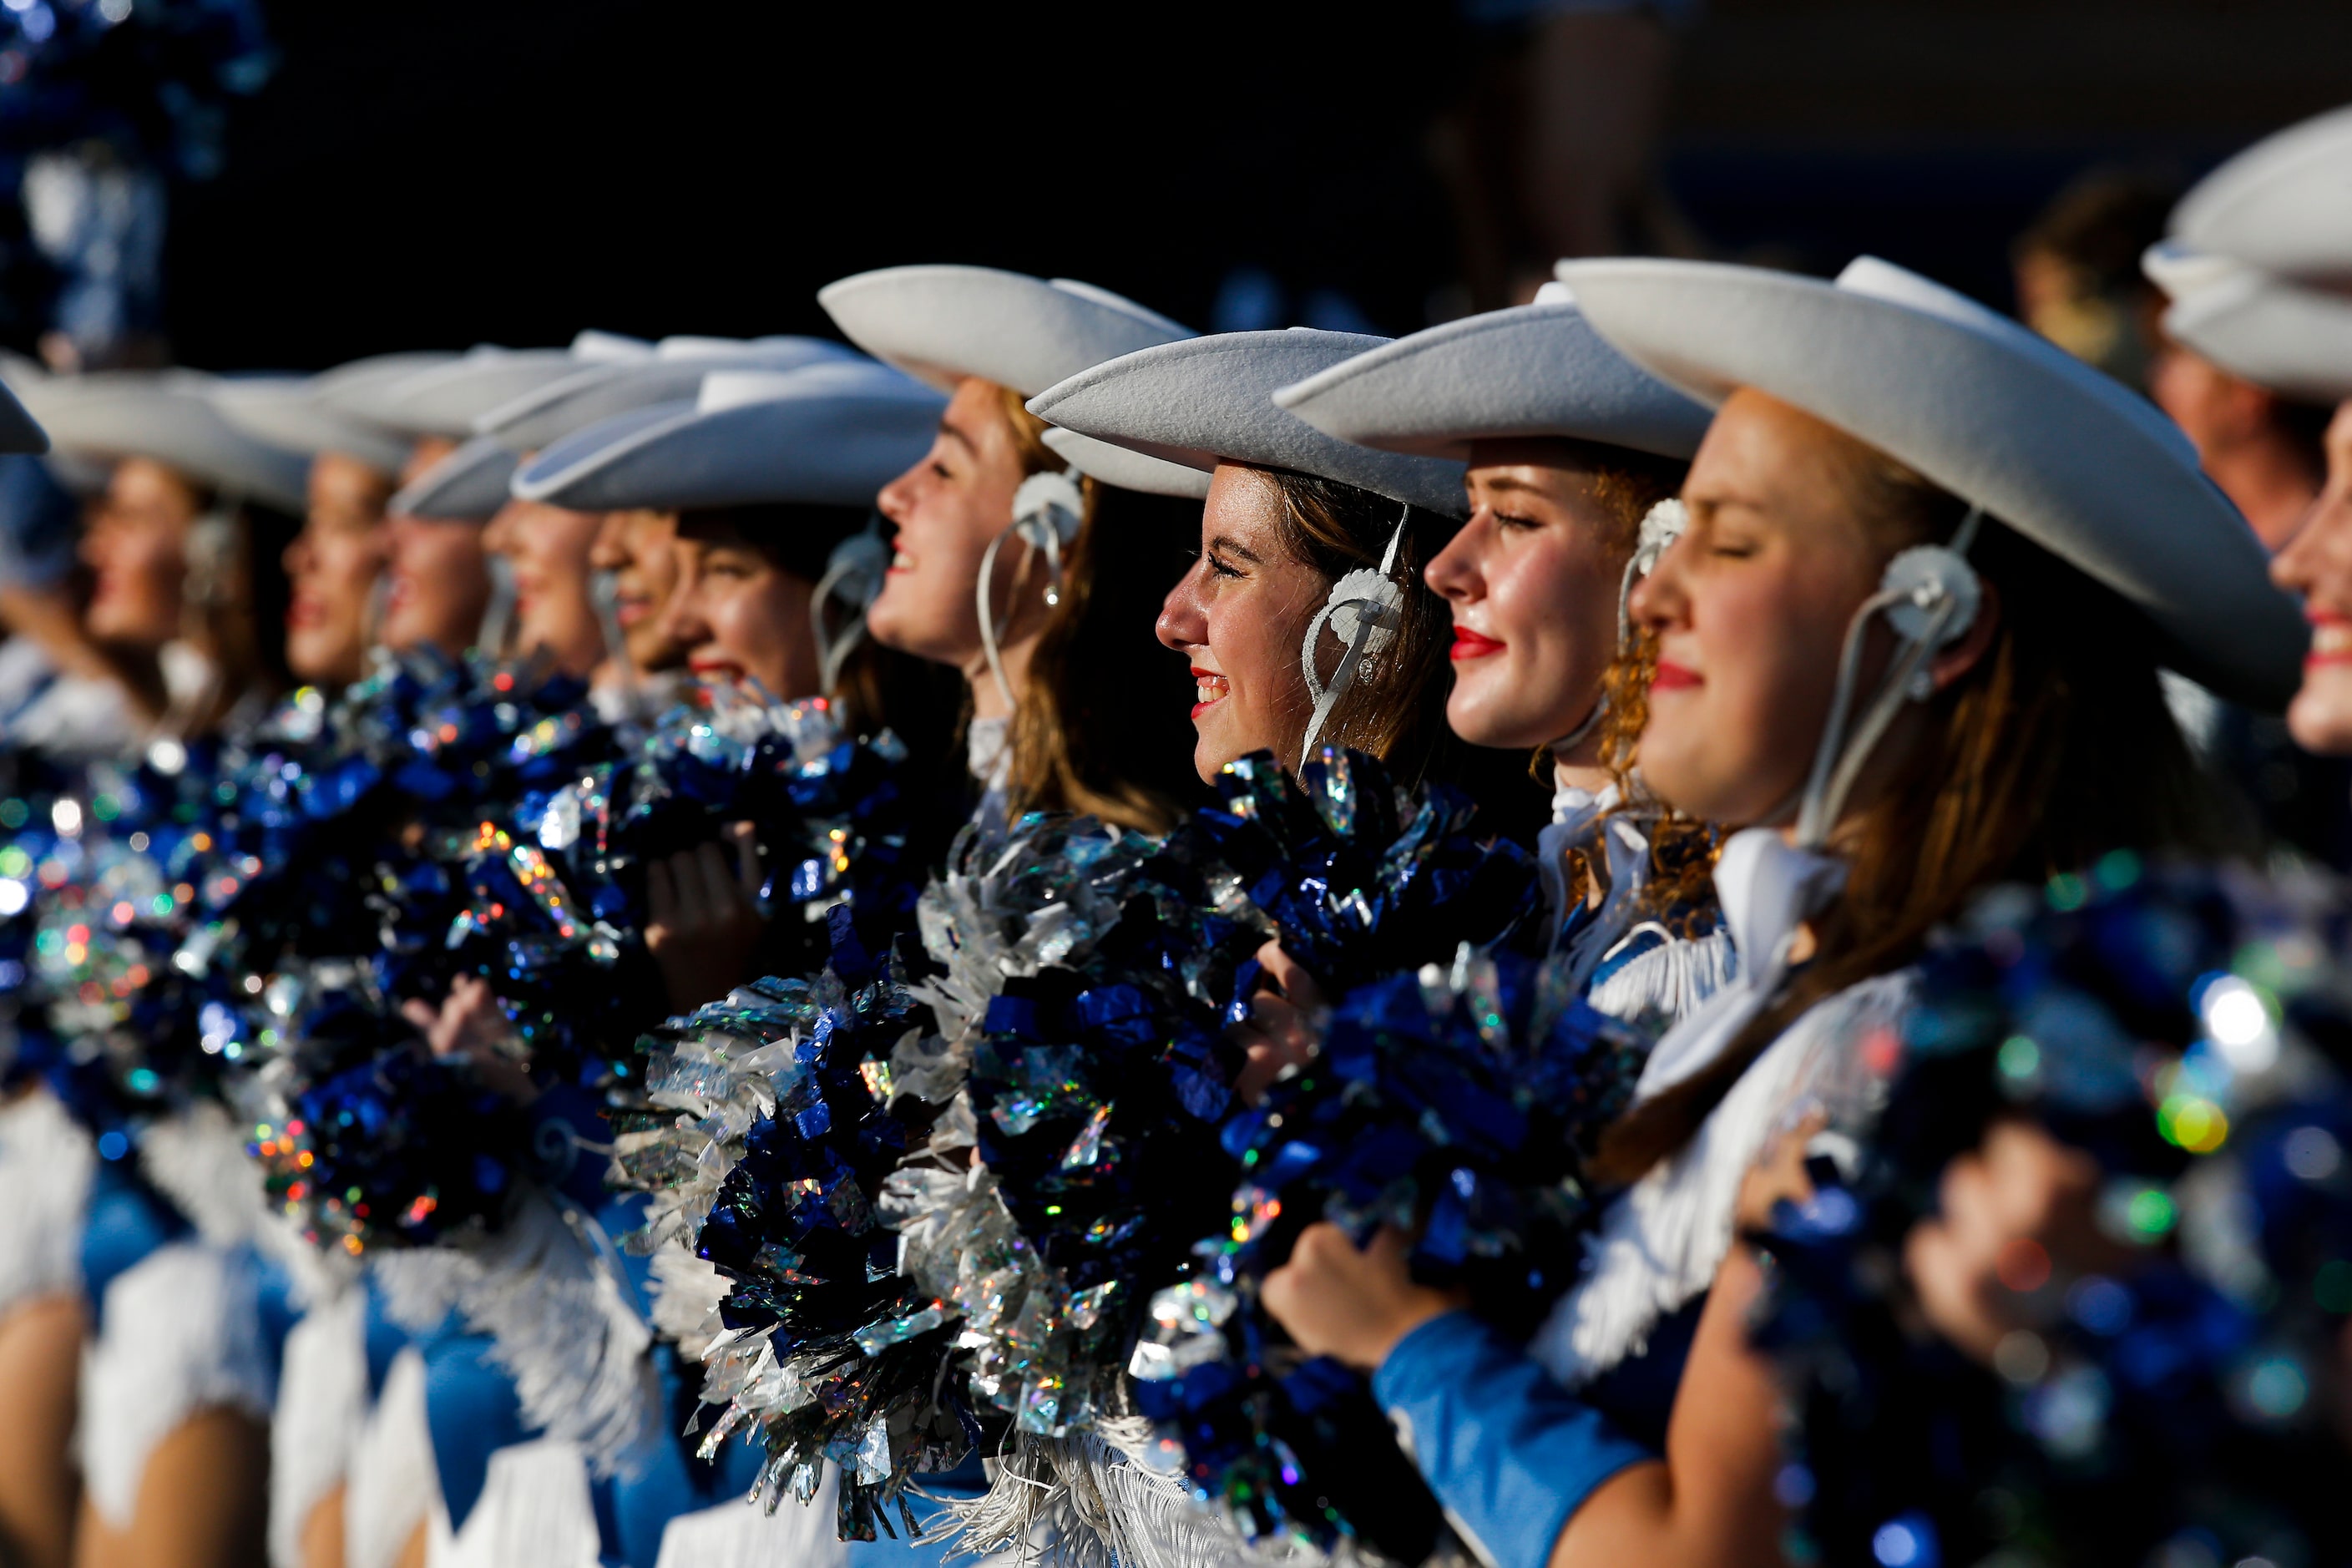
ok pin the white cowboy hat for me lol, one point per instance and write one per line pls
(171, 417)
(300, 412)
(2295, 339)
(1205, 399)
(2283, 204)
(1128, 470)
(943, 323)
(596, 391)
(832, 433)
(1535, 370)
(469, 485)
(1996, 416)
(445, 399)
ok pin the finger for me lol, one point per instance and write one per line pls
(1289, 975)
(661, 899)
(1390, 1248)
(423, 1015)
(718, 882)
(748, 878)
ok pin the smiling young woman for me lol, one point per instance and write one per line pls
(1899, 693)
(1065, 685)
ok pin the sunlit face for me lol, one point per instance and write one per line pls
(739, 615)
(136, 543)
(1750, 608)
(548, 546)
(2318, 565)
(640, 549)
(440, 582)
(1532, 581)
(332, 565)
(947, 509)
(1240, 614)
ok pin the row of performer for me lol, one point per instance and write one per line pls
(701, 1006)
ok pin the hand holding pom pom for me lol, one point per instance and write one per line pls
(1351, 1303)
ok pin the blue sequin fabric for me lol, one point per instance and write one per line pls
(2156, 1388)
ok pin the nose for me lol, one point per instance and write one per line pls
(896, 500)
(498, 533)
(1453, 572)
(1660, 600)
(683, 622)
(296, 556)
(1183, 622)
(610, 550)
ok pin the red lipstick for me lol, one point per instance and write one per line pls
(1468, 643)
(1672, 677)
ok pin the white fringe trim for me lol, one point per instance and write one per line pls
(196, 1158)
(687, 1291)
(183, 1334)
(392, 1487)
(1083, 1502)
(1662, 1241)
(322, 1402)
(550, 1292)
(535, 1512)
(46, 1165)
(742, 1534)
(1668, 982)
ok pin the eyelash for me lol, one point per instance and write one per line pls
(1219, 567)
(1508, 520)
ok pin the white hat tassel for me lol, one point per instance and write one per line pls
(854, 573)
(1363, 609)
(1047, 511)
(1930, 595)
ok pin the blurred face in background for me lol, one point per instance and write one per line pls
(741, 616)
(2316, 566)
(640, 549)
(548, 548)
(332, 566)
(1239, 616)
(947, 509)
(137, 545)
(440, 582)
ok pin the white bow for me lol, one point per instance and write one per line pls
(1766, 888)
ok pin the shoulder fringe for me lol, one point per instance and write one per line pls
(549, 1291)
(393, 1482)
(1668, 982)
(739, 1533)
(1664, 1238)
(46, 1165)
(183, 1333)
(1080, 1501)
(196, 1157)
(322, 1400)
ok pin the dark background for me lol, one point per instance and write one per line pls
(437, 172)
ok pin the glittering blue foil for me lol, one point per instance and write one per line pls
(2158, 1390)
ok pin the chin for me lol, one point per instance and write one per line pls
(2320, 717)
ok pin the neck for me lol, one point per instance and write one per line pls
(1579, 767)
(987, 702)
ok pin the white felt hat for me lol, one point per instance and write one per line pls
(1534, 370)
(445, 399)
(469, 485)
(300, 412)
(2283, 204)
(2291, 338)
(945, 323)
(596, 391)
(1127, 470)
(1204, 399)
(1990, 412)
(830, 434)
(171, 417)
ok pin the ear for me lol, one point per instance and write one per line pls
(1954, 659)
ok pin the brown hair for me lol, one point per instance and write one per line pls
(1091, 730)
(2054, 748)
(1396, 709)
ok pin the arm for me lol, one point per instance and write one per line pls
(1538, 1476)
